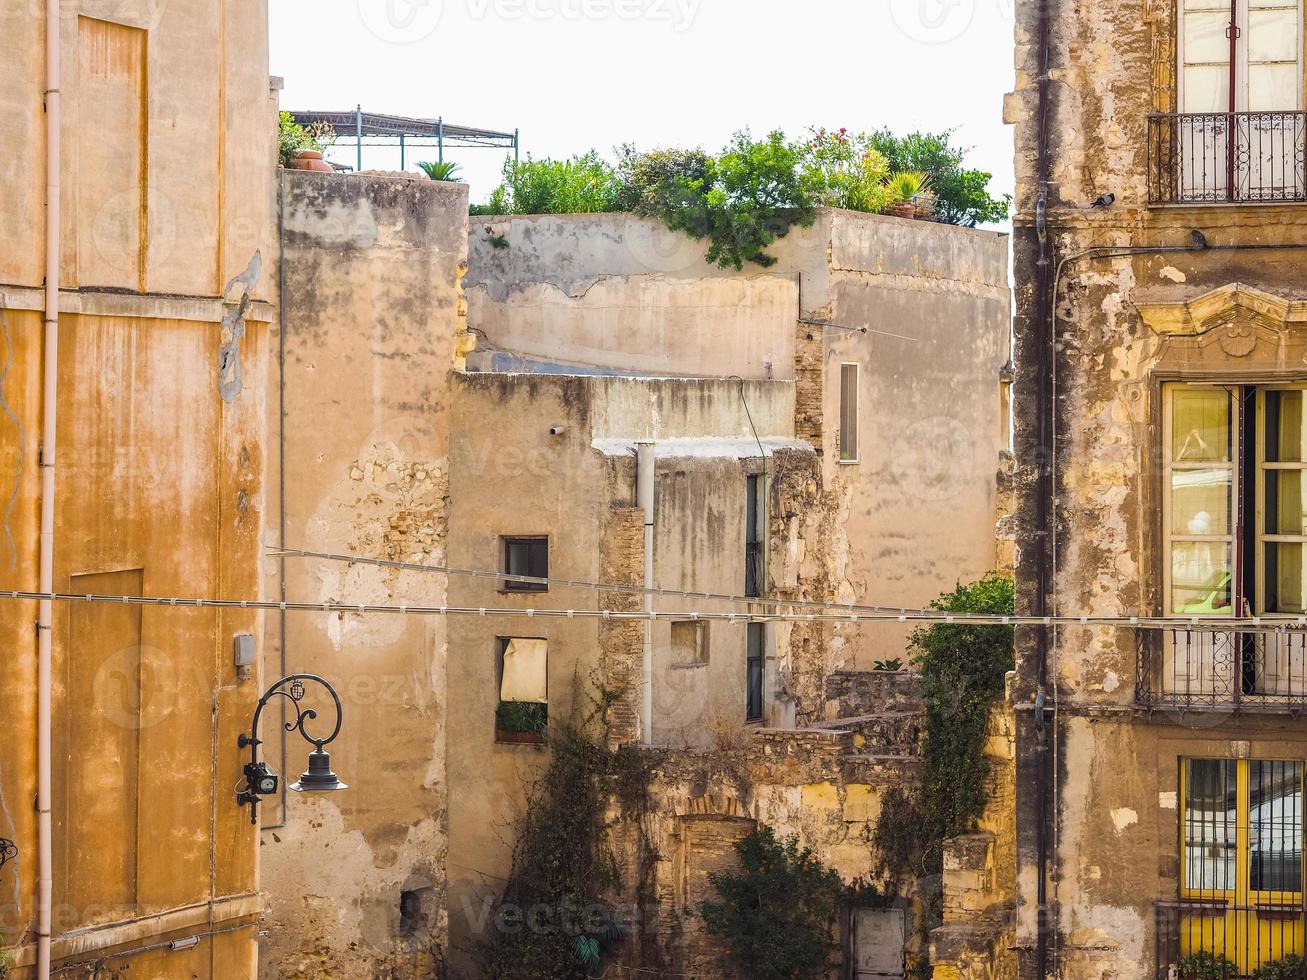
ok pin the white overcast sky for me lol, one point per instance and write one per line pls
(579, 74)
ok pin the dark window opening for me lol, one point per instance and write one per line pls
(528, 557)
(753, 557)
(754, 671)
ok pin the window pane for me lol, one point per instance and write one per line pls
(528, 557)
(1200, 502)
(1200, 425)
(753, 671)
(1285, 440)
(848, 413)
(1274, 88)
(1204, 37)
(1210, 824)
(1286, 505)
(1275, 826)
(1200, 578)
(1206, 89)
(1273, 35)
(1284, 578)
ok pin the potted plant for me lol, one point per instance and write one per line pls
(446, 170)
(926, 202)
(521, 722)
(300, 147)
(903, 188)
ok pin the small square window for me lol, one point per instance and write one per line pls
(689, 643)
(528, 557)
(522, 714)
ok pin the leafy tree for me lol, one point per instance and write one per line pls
(747, 197)
(654, 181)
(776, 914)
(962, 195)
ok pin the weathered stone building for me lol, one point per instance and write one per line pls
(147, 247)
(507, 430)
(1160, 255)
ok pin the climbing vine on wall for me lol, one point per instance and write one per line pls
(963, 669)
(555, 919)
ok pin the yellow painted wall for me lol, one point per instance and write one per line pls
(169, 154)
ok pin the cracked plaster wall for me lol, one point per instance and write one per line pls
(1114, 812)
(372, 270)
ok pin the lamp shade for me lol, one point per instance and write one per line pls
(318, 778)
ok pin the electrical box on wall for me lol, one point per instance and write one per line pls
(243, 652)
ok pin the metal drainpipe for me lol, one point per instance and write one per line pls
(644, 498)
(1044, 517)
(45, 614)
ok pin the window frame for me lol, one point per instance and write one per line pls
(1242, 883)
(1240, 69)
(507, 541)
(854, 393)
(750, 631)
(1242, 417)
(701, 645)
(509, 738)
(1169, 537)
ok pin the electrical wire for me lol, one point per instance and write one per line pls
(596, 586)
(1255, 624)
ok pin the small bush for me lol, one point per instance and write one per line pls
(1291, 967)
(1205, 966)
(584, 184)
(777, 913)
(844, 171)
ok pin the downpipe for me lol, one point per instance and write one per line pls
(50, 401)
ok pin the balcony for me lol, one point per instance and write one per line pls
(1195, 669)
(1227, 158)
(1216, 940)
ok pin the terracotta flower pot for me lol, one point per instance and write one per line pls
(311, 160)
(904, 209)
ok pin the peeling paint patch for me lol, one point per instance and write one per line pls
(230, 377)
(1167, 801)
(1123, 818)
(1174, 274)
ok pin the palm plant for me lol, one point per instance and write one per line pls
(441, 170)
(905, 185)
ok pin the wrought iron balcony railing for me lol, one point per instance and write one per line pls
(1195, 669)
(1219, 941)
(1227, 158)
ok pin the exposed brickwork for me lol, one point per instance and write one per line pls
(621, 557)
(809, 385)
(854, 693)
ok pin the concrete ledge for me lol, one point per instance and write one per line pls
(141, 306)
(191, 919)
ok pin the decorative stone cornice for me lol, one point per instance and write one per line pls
(1243, 312)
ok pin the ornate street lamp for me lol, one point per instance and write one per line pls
(260, 779)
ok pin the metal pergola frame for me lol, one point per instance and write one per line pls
(380, 129)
